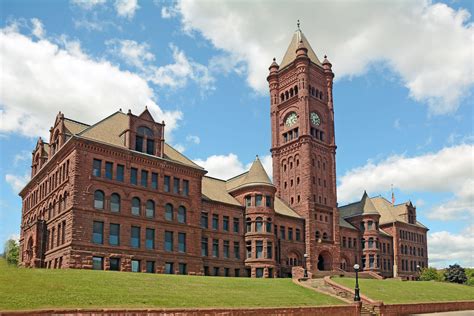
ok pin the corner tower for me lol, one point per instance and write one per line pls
(304, 148)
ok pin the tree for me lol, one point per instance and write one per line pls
(12, 251)
(456, 274)
(430, 274)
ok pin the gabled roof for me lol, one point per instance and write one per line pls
(109, 130)
(283, 209)
(290, 54)
(74, 127)
(172, 154)
(363, 207)
(215, 190)
(346, 224)
(255, 176)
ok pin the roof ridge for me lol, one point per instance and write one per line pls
(74, 121)
(97, 123)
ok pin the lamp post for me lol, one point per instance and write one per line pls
(305, 275)
(356, 291)
(418, 269)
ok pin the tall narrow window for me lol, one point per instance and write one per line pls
(236, 250)
(268, 201)
(248, 201)
(269, 225)
(185, 187)
(120, 173)
(135, 237)
(215, 248)
(150, 267)
(150, 238)
(168, 241)
(290, 233)
(215, 221)
(169, 268)
(109, 170)
(139, 143)
(97, 233)
(135, 206)
(96, 167)
(99, 199)
(114, 235)
(204, 247)
(204, 220)
(283, 232)
(176, 185)
(259, 249)
(181, 242)
(166, 184)
(115, 202)
(225, 223)
(154, 180)
(248, 249)
(144, 178)
(259, 224)
(133, 176)
(269, 250)
(258, 200)
(182, 214)
(150, 209)
(226, 249)
(150, 146)
(248, 225)
(136, 266)
(236, 224)
(169, 212)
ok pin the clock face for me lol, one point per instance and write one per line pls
(291, 119)
(315, 120)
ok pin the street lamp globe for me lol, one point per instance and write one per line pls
(356, 266)
(305, 255)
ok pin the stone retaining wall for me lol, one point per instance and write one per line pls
(421, 308)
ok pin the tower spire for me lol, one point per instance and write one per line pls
(298, 24)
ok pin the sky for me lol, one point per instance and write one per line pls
(402, 92)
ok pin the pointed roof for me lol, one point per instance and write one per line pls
(290, 54)
(255, 176)
(367, 206)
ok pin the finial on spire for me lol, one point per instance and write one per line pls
(298, 24)
(274, 59)
(393, 196)
(325, 56)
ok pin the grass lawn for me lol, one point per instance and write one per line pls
(394, 291)
(40, 288)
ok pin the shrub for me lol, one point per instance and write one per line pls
(12, 251)
(455, 274)
(430, 274)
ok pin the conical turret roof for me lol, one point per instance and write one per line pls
(367, 207)
(257, 174)
(290, 54)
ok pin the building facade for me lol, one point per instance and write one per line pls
(115, 196)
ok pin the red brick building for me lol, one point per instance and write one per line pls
(115, 196)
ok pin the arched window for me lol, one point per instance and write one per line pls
(65, 201)
(259, 224)
(144, 131)
(150, 209)
(99, 199)
(282, 97)
(291, 92)
(325, 236)
(318, 234)
(144, 135)
(248, 225)
(169, 212)
(296, 90)
(135, 206)
(269, 225)
(115, 202)
(287, 95)
(182, 214)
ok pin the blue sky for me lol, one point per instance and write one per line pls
(403, 91)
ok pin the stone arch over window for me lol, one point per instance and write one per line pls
(99, 200)
(169, 212)
(182, 214)
(115, 202)
(135, 206)
(325, 236)
(318, 234)
(150, 209)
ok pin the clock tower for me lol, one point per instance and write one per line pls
(304, 148)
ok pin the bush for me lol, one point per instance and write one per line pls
(430, 274)
(12, 251)
(455, 274)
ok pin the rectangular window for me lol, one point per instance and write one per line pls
(139, 143)
(154, 180)
(183, 268)
(216, 271)
(344, 242)
(115, 264)
(136, 266)
(236, 250)
(269, 250)
(97, 233)
(185, 187)
(225, 223)
(290, 233)
(120, 173)
(109, 170)
(150, 266)
(371, 261)
(248, 201)
(181, 242)
(169, 268)
(226, 249)
(268, 201)
(215, 221)
(204, 247)
(226, 272)
(166, 186)
(114, 237)
(204, 220)
(176, 185)
(259, 249)
(237, 273)
(150, 238)
(97, 263)
(258, 200)
(282, 232)
(298, 234)
(96, 167)
(168, 241)
(135, 237)
(215, 248)
(144, 178)
(236, 225)
(150, 147)
(133, 176)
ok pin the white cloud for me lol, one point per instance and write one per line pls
(22, 156)
(168, 12)
(445, 248)
(429, 45)
(132, 52)
(87, 4)
(228, 166)
(126, 8)
(38, 29)
(57, 77)
(15, 237)
(396, 124)
(449, 170)
(193, 139)
(17, 182)
(179, 147)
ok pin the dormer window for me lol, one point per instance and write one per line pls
(144, 141)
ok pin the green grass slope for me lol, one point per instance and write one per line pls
(395, 292)
(41, 288)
